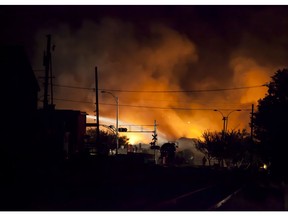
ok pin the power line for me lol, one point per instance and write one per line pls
(173, 108)
(196, 101)
(162, 91)
(152, 107)
(74, 87)
(186, 91)
(75, 101)
(218, 104)
(184, 102)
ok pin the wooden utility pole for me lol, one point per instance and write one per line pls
(48, 74)
(97, 107)
(252, 122)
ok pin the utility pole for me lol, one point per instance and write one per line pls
(155, 140)
(117, 118)
(97, 107)
(252, 122)
(48, 74)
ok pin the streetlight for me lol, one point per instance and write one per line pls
(225, 118)
(117, 116)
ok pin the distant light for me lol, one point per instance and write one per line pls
(91, 116)
(265, 167)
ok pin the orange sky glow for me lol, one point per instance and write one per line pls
(145, 72)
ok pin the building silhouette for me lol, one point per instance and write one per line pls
(19, 102)
(32, 134)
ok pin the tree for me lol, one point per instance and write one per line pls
(271, 122)
(107, 140)
(232, 147)
(238, 147)
(211, 146)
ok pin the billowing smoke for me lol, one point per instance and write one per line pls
(148, 64)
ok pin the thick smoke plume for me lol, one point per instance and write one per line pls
(161, 59)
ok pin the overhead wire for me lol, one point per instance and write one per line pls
(185, 91)
(74, 87)
(154, 91)
(151, 107)
(163, 91)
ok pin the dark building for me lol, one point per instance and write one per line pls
(19, 107)
(61, 133)
(34, 142)
(19, 101)
(29, 133)
(21, 86)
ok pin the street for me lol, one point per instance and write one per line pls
(124, 185)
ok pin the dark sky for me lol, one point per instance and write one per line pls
(157, 48)
(204, 24)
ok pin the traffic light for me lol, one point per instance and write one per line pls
(122, 129)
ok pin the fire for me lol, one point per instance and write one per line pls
(140, 135)
(164, 60)
(135, 138)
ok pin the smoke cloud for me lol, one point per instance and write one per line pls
(160, 58)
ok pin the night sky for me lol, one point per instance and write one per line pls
(156, 48)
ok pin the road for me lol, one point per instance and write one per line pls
(125, 185)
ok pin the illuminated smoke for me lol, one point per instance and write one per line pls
(137, 134)
(162, 59)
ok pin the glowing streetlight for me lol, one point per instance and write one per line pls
(225, 118)
(117, 116)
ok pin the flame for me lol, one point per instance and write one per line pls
(141, 134)
(161, 61)
(135, 138)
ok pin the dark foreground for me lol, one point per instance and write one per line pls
(127, 183)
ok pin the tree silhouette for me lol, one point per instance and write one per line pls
(211, 146)
(107, 140)
(232, 147)
(270, 122)
(238, 147)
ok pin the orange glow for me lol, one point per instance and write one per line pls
(183, 123)
(163, 62)
(135, 138)
(248, 73)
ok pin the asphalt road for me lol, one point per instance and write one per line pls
(126, 185)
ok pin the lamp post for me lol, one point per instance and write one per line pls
(225, 118)
(117, 117)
